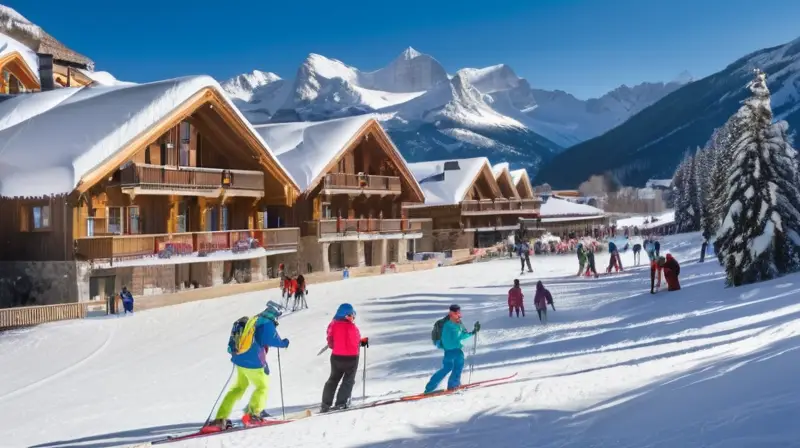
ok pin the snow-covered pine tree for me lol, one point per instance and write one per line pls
(679, 194)
(703, 170)
(724, 140)
(687, 210)
(760, 235)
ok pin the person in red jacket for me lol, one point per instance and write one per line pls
(515, 297)
(345, 342)
(671, 271)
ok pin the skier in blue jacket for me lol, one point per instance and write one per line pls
(252, 368)
(453, 332)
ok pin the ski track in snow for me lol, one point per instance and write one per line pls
(615, 366)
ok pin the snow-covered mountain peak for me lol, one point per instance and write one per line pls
(491, 79)
(243, 86)
(409, 53)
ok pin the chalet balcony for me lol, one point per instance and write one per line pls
(503, 206)
(336, 183)
(209, 182)
(201, 244)
(364, 228)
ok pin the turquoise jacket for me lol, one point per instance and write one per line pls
(452, 335)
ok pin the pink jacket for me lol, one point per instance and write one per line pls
(515, 297)
(344, 339)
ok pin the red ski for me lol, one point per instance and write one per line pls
(236, 428)
(308, 412)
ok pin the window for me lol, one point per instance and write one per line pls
(41, 217)
(183, 217)
(186, 132)
(224, 213)
(133, 221)
(115, 226)
(326, 210)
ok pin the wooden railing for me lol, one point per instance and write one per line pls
(192, 178)
(119, 247)
(500, 205)
(34, 315)
(356, 182)
(327, 227)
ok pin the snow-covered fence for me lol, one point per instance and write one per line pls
(34, 315)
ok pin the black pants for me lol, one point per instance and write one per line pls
(344, 369)
(525, 259)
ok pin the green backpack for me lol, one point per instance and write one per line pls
(436, 334)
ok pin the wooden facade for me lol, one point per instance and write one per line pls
(490, 210)
(361, 190)
(198, 182)
(16, 76)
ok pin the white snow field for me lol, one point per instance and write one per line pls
(616, 366)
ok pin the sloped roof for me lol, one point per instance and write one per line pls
(498, 169)
(9, 45)
(555, 207)
(306, 149)
(518, 175)
(451, 187)
(49, 141)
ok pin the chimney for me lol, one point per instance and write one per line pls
(45, 71)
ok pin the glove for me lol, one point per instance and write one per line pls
(285, 343)
(365, 342)
(476, 328)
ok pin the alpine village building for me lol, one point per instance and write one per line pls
(353, 183)
(471, 205)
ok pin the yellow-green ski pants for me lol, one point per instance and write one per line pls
(245, 377)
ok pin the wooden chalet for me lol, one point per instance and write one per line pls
(523, 184)
(468, 206)
(353, 182)
(567, 219)
(19, 68)
(158, 187)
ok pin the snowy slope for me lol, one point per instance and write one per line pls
(616, 367)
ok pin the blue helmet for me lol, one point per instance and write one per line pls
(344, 310)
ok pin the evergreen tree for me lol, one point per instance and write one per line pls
(760, 235)
(679, 194)
(704, 169)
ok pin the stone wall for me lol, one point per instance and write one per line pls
(28, 283)
(444, 240)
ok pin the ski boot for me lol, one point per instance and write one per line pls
(249, 419)
(217, 425)
(324, 408)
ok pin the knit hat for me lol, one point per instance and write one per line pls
(455, 308)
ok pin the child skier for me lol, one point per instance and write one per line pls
(541, 300)
(127, 300)
(515, 297)
(581, 259)
(452, 333)
(590, 261)
(249, 356)
(345, 341)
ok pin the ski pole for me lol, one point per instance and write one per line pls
(364, 378)
(472, 357)
(280, 376)
(233, 367)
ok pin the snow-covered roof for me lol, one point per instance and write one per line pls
(664, 183)
(103, 78)
(451, 187)
(307, 148)
(10, 45)
(667, 217)
(517, 176)
(498, 169)
(561, 207)
(50, 140)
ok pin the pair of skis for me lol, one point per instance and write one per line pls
(309, 413)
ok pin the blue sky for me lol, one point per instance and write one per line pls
(585, 47)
